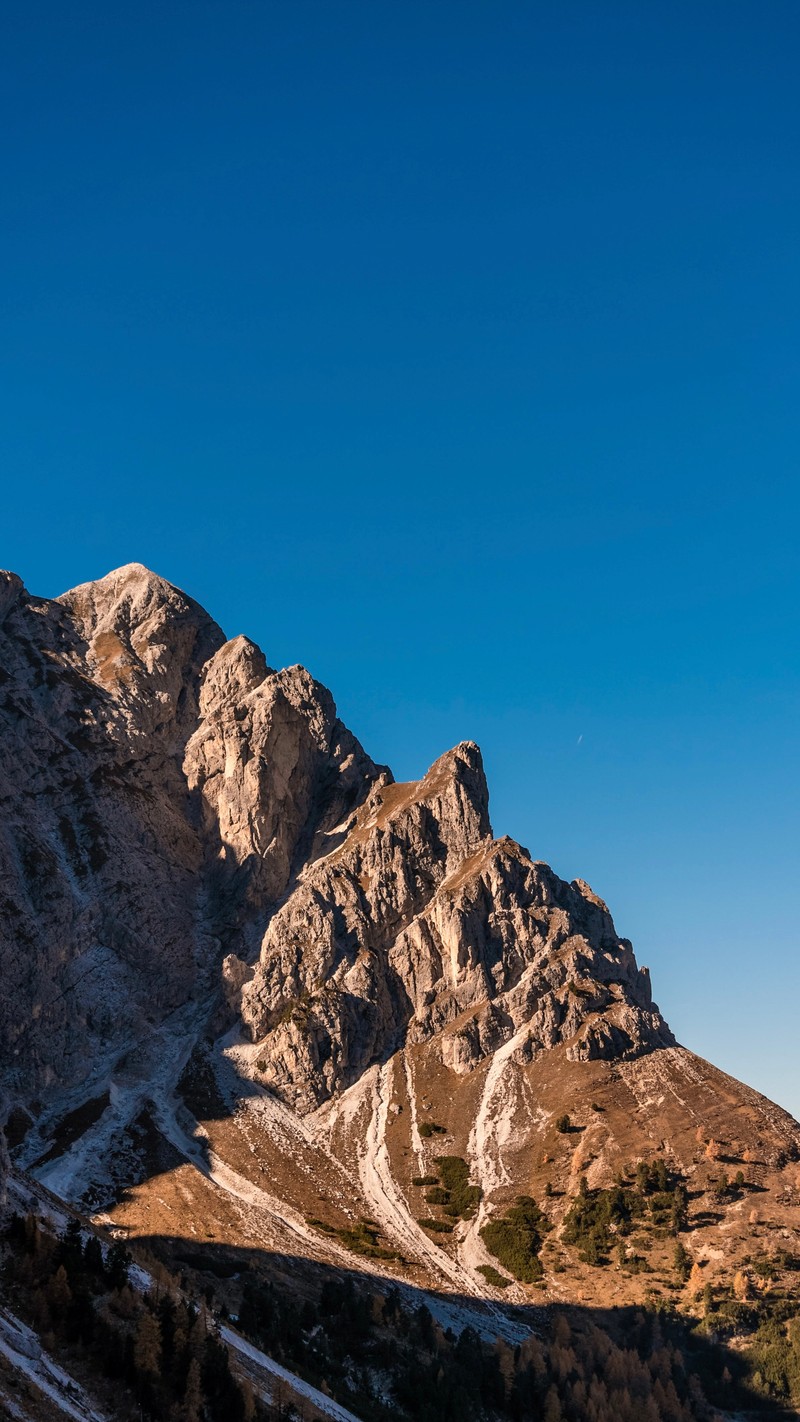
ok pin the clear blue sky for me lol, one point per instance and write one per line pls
(452, 350)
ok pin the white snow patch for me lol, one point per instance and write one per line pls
(324, 1404)
(21, 1347)
(416, 1138)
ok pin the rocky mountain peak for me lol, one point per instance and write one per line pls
(193, 806)
(418, 925)
(159, 785)
(12, 590)
(147, 642)
(257, 996)
(235, 669)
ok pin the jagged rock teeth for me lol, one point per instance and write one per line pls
(421, 925)
(182, 821)
(159, 786)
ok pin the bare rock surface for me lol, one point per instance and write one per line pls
(421, 921)
(158, 784)
(182, 822)
(246, 979)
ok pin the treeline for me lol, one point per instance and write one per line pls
(365, 1348)
(359, 1346)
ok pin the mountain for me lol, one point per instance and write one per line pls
(258, 998)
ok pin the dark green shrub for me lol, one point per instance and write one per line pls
(462, 1198)
(652, 1176)
(588, 1220)
(681, 1261)
(493, 1277)
(364, 1239)
(437, 1196)
(516, 1238)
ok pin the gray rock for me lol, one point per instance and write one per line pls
(421, 925)
(182, 824)
(159, 787)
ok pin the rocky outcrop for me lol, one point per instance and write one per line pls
(274, 768)
(182, 823)
(159, 787)
(420, 925)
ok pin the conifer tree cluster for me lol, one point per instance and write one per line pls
(388, 1362)
(163, 1350)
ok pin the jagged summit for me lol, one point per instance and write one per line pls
(142, 759)
(127, 575)
(229, 939)
(256, 830)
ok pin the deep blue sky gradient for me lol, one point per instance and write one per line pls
(452, 350)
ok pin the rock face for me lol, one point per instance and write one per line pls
(159, 788)
(182, 824)
(218, 916)
(420, 922)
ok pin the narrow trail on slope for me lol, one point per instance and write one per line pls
(275, 1373)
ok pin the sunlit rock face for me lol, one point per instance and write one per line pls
(160, 786)
(253, 992)
(419, 921)
(184, 825)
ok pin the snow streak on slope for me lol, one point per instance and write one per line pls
(491, 1132)
(370, 1098)
(21, 1348)
(276, 1373)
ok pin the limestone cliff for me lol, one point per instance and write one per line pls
(245, 978)
(159, 786)
(420, 921)
(180, 818)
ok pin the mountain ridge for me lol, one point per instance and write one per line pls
(252, 981)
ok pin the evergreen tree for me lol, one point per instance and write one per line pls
(59, 1294)
(147, 1345)
(552, 1407)
(93, 1257)
(118, 1263)
(70, 1249)
(189, 1409)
